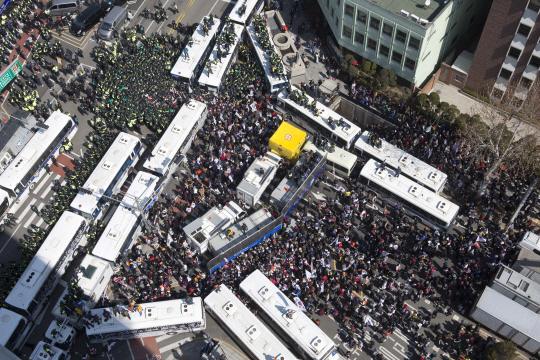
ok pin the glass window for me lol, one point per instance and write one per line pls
(514, 52)
(410, 63)
(535, 61)
(327, 3)
(397, 57)
(534, 5)
(505, 74)
(387, 29)
(349, 10)
(524, 30)
(375, 23)
(384, 50)
(454, 40)
(361, 16)
(358, 37)
(414, 43)
(372, 44)
(401, 36)
(347, 31)
(332, 12)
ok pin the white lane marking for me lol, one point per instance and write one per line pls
(174, 345)
(387, 354)
(63, 283)
(17, 228)
(42, 183)
(40, 222)
(31, 218)
(153, 21)
(455, 318)
(213, 7)
(23, 214)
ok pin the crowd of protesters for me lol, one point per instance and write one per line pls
(361, 261)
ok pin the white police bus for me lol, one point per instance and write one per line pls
(29, 296)
(338, 161)
(211, 79)
(254, 337)
(15, 329)
(274, 83)
(329, 123)
(156, 318)
(370, 146)
(177, 139)
(189, 64)
(124, 224)
(244, 11)
(293, 325)
(418, 202)
(108, 176)
(27, 168)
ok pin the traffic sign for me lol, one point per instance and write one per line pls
(9, 73)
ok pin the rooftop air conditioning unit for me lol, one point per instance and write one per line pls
(404, 13)
(415, 18)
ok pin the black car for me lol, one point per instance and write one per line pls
(85, 20)
(107, 5)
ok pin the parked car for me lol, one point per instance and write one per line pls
(107, 5)
(85, 20)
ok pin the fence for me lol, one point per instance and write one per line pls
(269, 229)
(245, 244)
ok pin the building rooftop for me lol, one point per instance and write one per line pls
(413, 7)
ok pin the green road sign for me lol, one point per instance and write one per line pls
(9, 73)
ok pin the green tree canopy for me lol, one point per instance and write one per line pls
(504, 350)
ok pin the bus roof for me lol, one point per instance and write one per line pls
(124, 219)
(175, 135)
(264, 59)
(408, 189)
(9, 321)
(337, 156)
(235, 14)
(218, 70)
(45, 260)
(347, 133)
(185, 67)
(300, 328)
(33, 151)
(409, 165)
(247, 327)
(39, 352)
(154, 314)
(105, 172)
(94, 270)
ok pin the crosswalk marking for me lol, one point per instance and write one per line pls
(42, 183)
(31, 218)
(387, 354)
(26, 210)
(40, 222)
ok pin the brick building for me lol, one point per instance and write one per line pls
(508, 52)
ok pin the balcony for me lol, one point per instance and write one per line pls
(501, 84)
(510, 63)
(530, 72)
(529, 17)
(519, 41)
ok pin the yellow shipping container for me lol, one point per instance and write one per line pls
(287, 142)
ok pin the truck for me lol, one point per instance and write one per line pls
(200, 230)
(257, 178)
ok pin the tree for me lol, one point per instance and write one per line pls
(384, 79)
(369, 68)
(449, 112)
(350, 59)
(353, 71)
(500, 139)
(504, 350)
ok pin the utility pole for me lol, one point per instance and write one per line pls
(523, 201)
(430, 130)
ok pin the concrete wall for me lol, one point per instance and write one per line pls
(351, 110)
